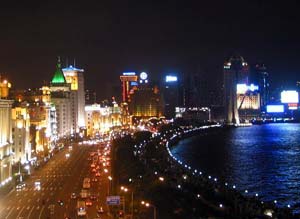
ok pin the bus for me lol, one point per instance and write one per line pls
(81, 209)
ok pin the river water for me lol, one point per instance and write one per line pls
(263, 159)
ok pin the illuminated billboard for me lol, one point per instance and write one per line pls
(171, 78)
(289, 96)
(293, 106)
(243, 88)
(128, 73)
(133, 83)
(275, 108)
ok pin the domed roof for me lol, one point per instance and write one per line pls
(58, 77)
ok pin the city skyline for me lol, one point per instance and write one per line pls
(107, 40)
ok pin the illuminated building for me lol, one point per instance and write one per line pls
(61, 98)
(5, 141)
(42, 118)
(146, 101)
(21, 148)
(4, 88)
(248, 101)
(42, 135)
(102, 119)
(129, 80)
(75, 78)
(236, 70)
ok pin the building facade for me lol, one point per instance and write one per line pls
(21, 148)
(75, 78)
(5, 141)
(236, 71)
(129, 80)
(61, 99)
(102, 119)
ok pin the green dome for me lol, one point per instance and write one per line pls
(58, 77)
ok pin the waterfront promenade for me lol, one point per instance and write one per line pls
(178, 190)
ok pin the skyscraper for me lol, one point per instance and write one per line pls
(236, 71)
(129, 80)
(75, 78)
(262, 78)
(172, 94)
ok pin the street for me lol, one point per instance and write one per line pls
(59, 178)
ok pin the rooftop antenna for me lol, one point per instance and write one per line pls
(74, 62)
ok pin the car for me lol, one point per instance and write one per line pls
(100, 210)
(97, 174)
(94, 170)
(92, 165)
(88, 202)
(20, 186)
(93, 197)
(37, 182)
(60, 202)
(94, 180)
(73, 196)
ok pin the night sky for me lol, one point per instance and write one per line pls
(109, 37)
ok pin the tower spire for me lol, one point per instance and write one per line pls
(58, 62)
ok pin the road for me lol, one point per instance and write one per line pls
(59, 177)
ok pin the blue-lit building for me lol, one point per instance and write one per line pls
(261, 77)
(172, 94)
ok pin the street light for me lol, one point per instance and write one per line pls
(161, 178)
(126, 190)
(110, 181)
(147, 204)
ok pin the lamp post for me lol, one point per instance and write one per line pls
(147, 204)
(126, 190)
(109, 186)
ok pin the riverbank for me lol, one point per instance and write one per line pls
(179, 191)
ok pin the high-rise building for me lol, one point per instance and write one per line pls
(61, 98)
(236, 71)
(129, 80)
(146, 101)
(262, 78)
(75, 78)
(172, 95)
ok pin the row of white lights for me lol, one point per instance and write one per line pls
(199, 172)
(189, 167)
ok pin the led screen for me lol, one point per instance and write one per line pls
(275, 108)
(289, 96)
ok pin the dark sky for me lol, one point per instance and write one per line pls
(108, 37)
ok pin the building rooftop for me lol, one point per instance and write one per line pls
(58, 77)
(71, 68)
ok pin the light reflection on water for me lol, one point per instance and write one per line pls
(263, 159)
